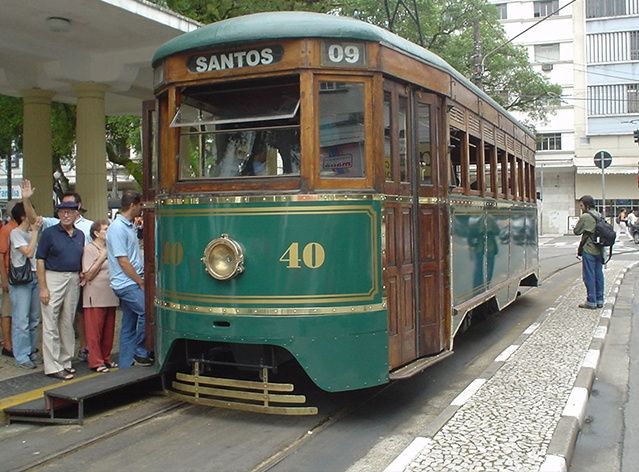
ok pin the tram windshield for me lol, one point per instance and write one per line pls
(237, 130)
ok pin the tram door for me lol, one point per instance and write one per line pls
(413, 271)
(149, 184)
(431, 221)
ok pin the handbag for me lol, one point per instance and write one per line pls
(20, 275)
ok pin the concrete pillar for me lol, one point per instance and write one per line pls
(91, 178)
(37, 150)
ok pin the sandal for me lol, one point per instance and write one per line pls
(70, 370)
(102, 369)
(111, 365)
(62, 375)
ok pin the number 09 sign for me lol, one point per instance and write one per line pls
(343, 54)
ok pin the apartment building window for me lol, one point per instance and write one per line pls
(545, 8)
(502, 11)
(634, 45)
(633, 98)
(546, 53)
(618, 46)
(602, 8)
(549, 142)
(618, 99)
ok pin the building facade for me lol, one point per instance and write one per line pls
(591, 48)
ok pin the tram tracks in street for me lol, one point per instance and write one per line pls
(98, 437)
(341, 409)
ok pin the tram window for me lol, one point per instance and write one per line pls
(341, 112)
(402, 119)
(388, 150)
(474, 163)
(239, 130)
(455, 150)
(502, 173)
(527, 194)
(489, 149)
(424, 145)
(520, 179)
(512, 174)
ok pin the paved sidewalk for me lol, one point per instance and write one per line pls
(525, 411)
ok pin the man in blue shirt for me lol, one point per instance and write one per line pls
(80, 223)
(59, 262)
(127, 280)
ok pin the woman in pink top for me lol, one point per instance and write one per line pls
(99, 301)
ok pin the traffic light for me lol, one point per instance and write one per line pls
(636, 133)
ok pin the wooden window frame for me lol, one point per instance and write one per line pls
(513, 187)
(502, 158)
(366, 182)
(479, 165)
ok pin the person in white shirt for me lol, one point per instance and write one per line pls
(83, 225)
(632, 218)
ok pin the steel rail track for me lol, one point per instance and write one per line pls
(280, 455)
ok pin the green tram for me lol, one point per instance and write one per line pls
(328, 193)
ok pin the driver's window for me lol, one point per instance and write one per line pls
(341, 129)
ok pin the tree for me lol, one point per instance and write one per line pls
(62, 143)
(445, 27)
(10, 126)
(206, 11)
(123, 134)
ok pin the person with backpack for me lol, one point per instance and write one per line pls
(591, 254)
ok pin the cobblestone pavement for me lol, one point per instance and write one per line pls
(505, 421)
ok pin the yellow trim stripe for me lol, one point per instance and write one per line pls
(261, 311)
(34, 394)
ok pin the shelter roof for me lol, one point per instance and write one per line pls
(55, 44)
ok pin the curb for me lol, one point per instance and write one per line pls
(562, 444)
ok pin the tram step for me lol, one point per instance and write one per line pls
(65, 404)
(106, 383)
(37, 411)
(418, 366)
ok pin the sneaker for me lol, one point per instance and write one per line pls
(599, 305)
(142, 361)
(27, 365)
(587, 306)
(83, 354)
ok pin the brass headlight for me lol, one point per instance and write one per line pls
(223, 258)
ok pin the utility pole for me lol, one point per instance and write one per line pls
(477, 59)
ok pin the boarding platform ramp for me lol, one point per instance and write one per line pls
(65, 404)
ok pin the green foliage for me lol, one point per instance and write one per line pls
(62, 130)
(123, 134)
(206, 11)
(10, 124)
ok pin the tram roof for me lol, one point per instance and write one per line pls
(286, 25)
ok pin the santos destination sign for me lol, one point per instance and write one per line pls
(235, 59)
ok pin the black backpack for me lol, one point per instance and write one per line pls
(604, 234)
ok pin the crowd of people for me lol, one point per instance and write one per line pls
(69, 275)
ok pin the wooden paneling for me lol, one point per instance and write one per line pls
(431, 262)
(411, 70)
(457, 117)
(399, 280)
(148, 138)
(426, 244)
